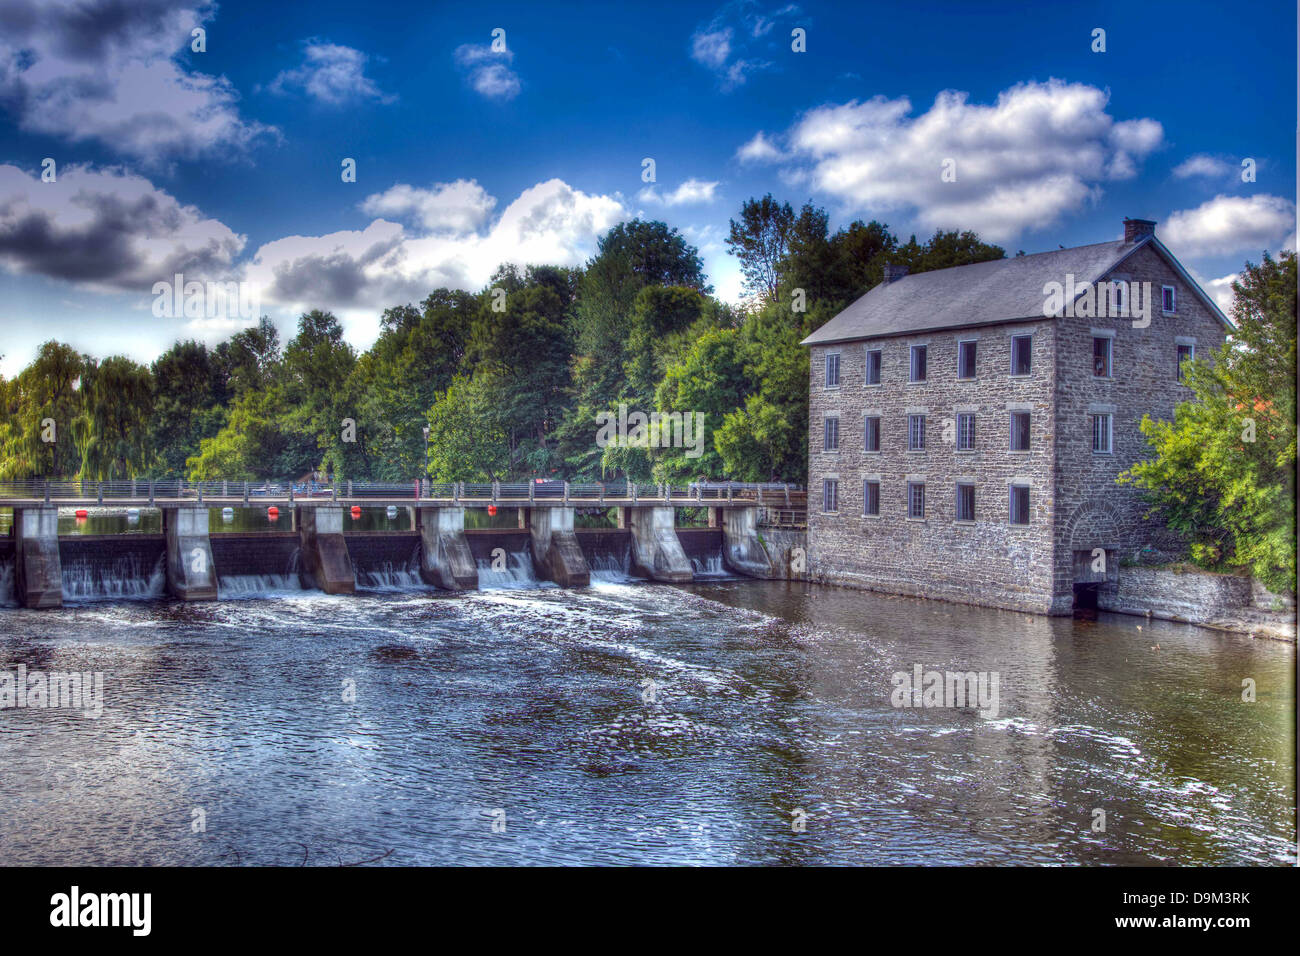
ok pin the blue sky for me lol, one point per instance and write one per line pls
(224, 165)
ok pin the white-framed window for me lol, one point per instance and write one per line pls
(1118, 304)
(870, 498)
(1101, 354)
(1186, 353)
(1101, 437)
(874, 361)
(1168, 299)
(832, 369)
(916, 499)
(1020, 504)
(1022, 351)
(966, 359)
(830, 495)
(871, 434)
(966, 431)
(917, 370)
(831, 433)
(965, 501)
(916, 433)
(1020, 431)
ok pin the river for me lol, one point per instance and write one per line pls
(730, 722)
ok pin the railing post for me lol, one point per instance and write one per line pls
(496, 490)
(728, 492)
(349, 487)
(532, 490)
(455, 492)
(601, 485)
(99, 492)
(200, 486)
(47, 491)
(787, 494)
(291, 491)
(633, 484)
(245, 491)
(151, 492)
(566, 492)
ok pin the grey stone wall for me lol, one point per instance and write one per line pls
(988, 561)
(1076, 503)
(1093, 510)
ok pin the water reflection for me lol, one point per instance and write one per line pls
(768, 698)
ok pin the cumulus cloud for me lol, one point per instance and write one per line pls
(1231, 224)
(1205, 165)
(760, 149)
(108, 231)
(106, 70)
(488, 71)
(691, 192)
(1039, 151)
(462, 206)
(369, 269)
(331, 74)
(738, 40)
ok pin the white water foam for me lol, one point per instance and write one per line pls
(125, 579)
(518, 573)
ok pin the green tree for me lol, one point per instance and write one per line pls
(467, 438)
(112, 430)
(760, 240)
(41, 404)
(1224, 472)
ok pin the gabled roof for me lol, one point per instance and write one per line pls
(985, 293)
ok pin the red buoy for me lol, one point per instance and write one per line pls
(273, 512)
(82, 512)
(356, 511)
(492, 510)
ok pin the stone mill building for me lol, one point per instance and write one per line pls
(968, 424)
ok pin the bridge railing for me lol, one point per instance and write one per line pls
(176, 489)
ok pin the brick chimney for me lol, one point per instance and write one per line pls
(1135, 230)
(892, 272)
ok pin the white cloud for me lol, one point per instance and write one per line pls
(691, 192)
(1041, 150)
(358, 273)
(711, 47)
(760, 149)
(1203, 164)
(108, 230)
(1220, 290)
(488, 71)
(733, 43)
(102, 70)
(331, 74)
(462, 206)
(1231, 224)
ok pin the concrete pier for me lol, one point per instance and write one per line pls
(191, 574)
(556, 552)
(742, 551)
(38, 577)
(445, 558)
(656, 552)
(326, 563)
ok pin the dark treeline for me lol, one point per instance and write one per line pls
(509, 380)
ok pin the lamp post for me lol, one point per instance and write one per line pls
(425, 476)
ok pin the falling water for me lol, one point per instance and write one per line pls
(391, 576)
(124, 579)
(7, 584)
(518, 573)
(709, 566)
(249, 585)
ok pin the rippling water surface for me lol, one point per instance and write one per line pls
(528, 705)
